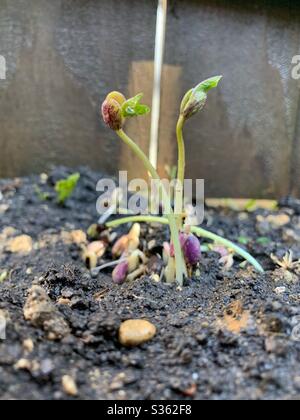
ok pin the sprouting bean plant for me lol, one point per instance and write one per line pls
(184, 251)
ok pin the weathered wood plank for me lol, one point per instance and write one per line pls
(64, 56)
(140, 80)
(243, 142)
(295, 170)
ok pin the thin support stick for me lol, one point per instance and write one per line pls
(158, 69)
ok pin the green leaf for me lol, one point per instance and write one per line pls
(207, 84)
(43, 196)
(263, 240)
(243, 240)
(251, 205)
(133, 107)
(65, 187)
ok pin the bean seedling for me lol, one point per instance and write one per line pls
(185, 251)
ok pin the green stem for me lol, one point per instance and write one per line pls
(197, 230)
(228, 244)
(180, 264)
(181, 149)
(181, 170)
(137, 219)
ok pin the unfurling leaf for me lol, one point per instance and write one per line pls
(208, 84)
(195, 99)
(133, 108)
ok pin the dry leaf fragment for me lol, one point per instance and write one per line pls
(235, 318)
(287, 261)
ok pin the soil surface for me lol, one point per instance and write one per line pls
(228, 334)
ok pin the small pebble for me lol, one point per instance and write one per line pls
(3, 276)
(63, 301)
(22, 244)
(135, 332)
(195, 376)
(69, 386)
(44, 178)
(23, 364)
(29, 365)
(28, 345)
(280, 290)
(47, 366)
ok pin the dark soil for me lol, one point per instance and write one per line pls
(225, 335)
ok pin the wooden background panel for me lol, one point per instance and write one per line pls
(295, 170)
(242, 142)
(63, 57)
(141, 80)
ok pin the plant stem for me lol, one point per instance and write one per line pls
(228, 244)
(180, 263)
(181, 170)
(181, 150)
(137, 219)
(197, 230)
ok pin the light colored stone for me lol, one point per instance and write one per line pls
(4, 317)
(28, 345)
(20, 245)
(278, 220)
(135, 332)
(29, 365)
(3, 208)
(69, 386)
(44, 178)
(3, 276)
(275, 220)
(23, 364)
(63, 301)
(280, 290)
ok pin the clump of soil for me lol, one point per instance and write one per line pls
(228, 334)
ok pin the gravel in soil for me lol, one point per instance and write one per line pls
(228, 334)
